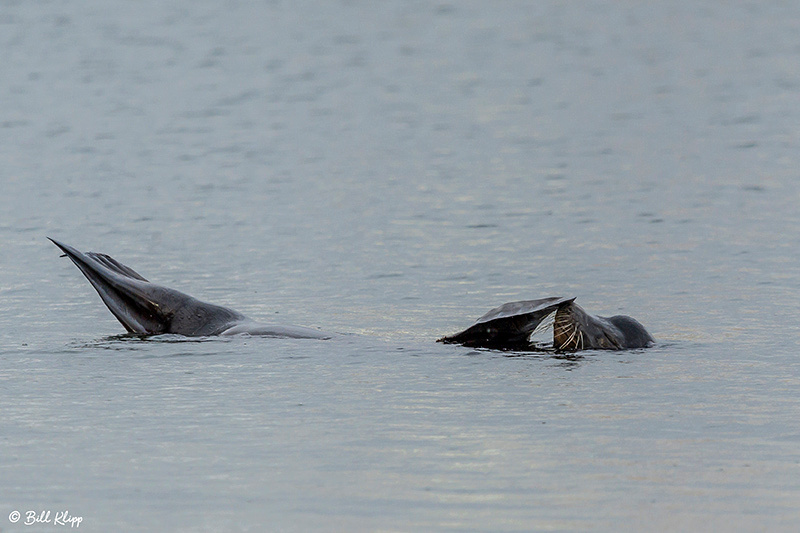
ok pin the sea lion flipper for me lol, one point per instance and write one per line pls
(147, 308)
(114, 265)
(508, 326)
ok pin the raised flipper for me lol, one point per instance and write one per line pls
(112, 264)
(147, 308)
(509, 326)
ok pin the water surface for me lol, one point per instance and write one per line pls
(392, 172)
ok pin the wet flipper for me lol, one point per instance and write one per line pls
(509, 326)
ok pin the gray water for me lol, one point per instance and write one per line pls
(391, 172)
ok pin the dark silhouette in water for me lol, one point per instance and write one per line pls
(509, 327)
(146, 308)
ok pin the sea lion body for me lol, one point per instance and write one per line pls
(146, 308)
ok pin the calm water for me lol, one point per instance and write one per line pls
(393, 172)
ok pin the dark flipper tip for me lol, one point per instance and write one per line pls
(55, 242)
(59, 245)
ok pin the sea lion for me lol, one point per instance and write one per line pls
(150, 309)
(509, 327)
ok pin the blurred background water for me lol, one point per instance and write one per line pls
(394, 170)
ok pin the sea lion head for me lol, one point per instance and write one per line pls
(575, 329)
